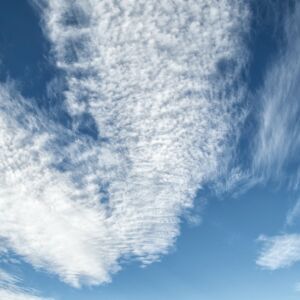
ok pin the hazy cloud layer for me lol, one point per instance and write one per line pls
(293, 214)
(159, 80)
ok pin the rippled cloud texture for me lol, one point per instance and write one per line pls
(159, 82)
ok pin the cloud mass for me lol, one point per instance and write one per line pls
(159, 81)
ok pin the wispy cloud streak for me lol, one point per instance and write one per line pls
(278, 142)
(279, 251)
(278, 147)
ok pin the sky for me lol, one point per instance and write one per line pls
(149, 149)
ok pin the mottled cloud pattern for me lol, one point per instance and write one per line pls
(160, 81)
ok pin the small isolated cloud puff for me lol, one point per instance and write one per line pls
(159, 79)
(278, 144)
(279, 251)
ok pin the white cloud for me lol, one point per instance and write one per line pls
(297, 287)
(10, 289)
(278, 144)
(14, 295)
(158, 78)
(44, 216)
(279, 251)
(6, 278)
(277, 149)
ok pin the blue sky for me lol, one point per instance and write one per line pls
(149, 151)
